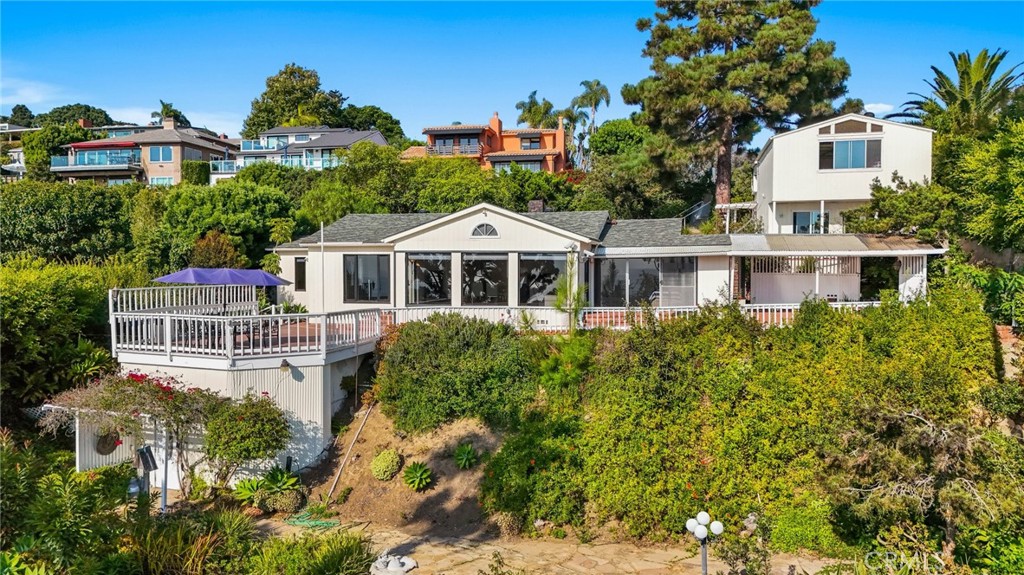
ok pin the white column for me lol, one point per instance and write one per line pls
(817, 279)
(821, 218)
(399, 282)
(773, 217)
(456, 279)
(592, 262)
(513, 279)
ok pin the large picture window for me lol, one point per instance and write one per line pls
(538, 277)
(429, 279)
(849, 154)
(484, 279)
(367, 278)
(660, 282)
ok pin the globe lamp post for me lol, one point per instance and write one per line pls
(703, 528)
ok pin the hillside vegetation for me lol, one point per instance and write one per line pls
(843, 432)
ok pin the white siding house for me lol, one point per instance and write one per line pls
(309, 147)
(827, 168)
(367, 271)
(495, 263)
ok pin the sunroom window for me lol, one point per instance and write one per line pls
(430, 279)
(485, 279)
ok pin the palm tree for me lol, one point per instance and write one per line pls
(969, 102)
(536, 114)
(573, 118)
(167, 110)
(594, 92)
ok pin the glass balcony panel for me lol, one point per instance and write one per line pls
(223, 167)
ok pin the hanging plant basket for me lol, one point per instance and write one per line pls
(106, 444)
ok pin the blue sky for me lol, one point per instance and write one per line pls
(426, 63)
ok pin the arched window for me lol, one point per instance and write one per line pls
(485, 231)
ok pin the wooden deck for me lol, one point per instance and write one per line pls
(221, 322)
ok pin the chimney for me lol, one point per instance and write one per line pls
(535, 206)
(559, 160)
(496, 124)
(170, 123)
(84, 123)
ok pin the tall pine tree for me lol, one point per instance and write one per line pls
(722, 70)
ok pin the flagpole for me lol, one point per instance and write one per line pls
(323, 272)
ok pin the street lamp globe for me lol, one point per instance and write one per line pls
(691, 524)
(703, 518)
(717, 528)
(700, 532)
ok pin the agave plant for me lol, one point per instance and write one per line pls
(417, 476)
(278, 480)
(250, 491)
(465, 456)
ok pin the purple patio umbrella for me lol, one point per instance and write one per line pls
(222, 276)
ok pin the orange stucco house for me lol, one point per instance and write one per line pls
(535, 149)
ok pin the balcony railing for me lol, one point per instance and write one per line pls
(233, 166)
(236, 337)
(467, 150)
(119, 160)
(224, 167)
(224, 322)
(259, 146)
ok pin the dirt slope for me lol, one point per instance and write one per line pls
(449, 508)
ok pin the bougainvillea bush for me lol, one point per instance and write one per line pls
(136, 404)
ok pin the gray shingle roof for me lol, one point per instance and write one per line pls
(657, 233)
(300, 130)
(341, 140)
(189, 136)
(586, 224)
(373, 228)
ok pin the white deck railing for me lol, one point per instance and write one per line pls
(224, 322)
(549, 319)
(242, 336)
(191, 300)
(541, 318)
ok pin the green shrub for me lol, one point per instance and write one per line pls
(195, 172)
(62, 221)
(537, 473)
(385, 464)
(286, 501)
(417, 476)
(996, 551)
(465, 456)
(806, 525)
(449, 367)
(246, 431)
(237, 537)
(338, 553)
(47, 309)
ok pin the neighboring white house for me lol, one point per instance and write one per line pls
(310, 147)
(827, 168)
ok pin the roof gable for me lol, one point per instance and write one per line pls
(482, 207)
